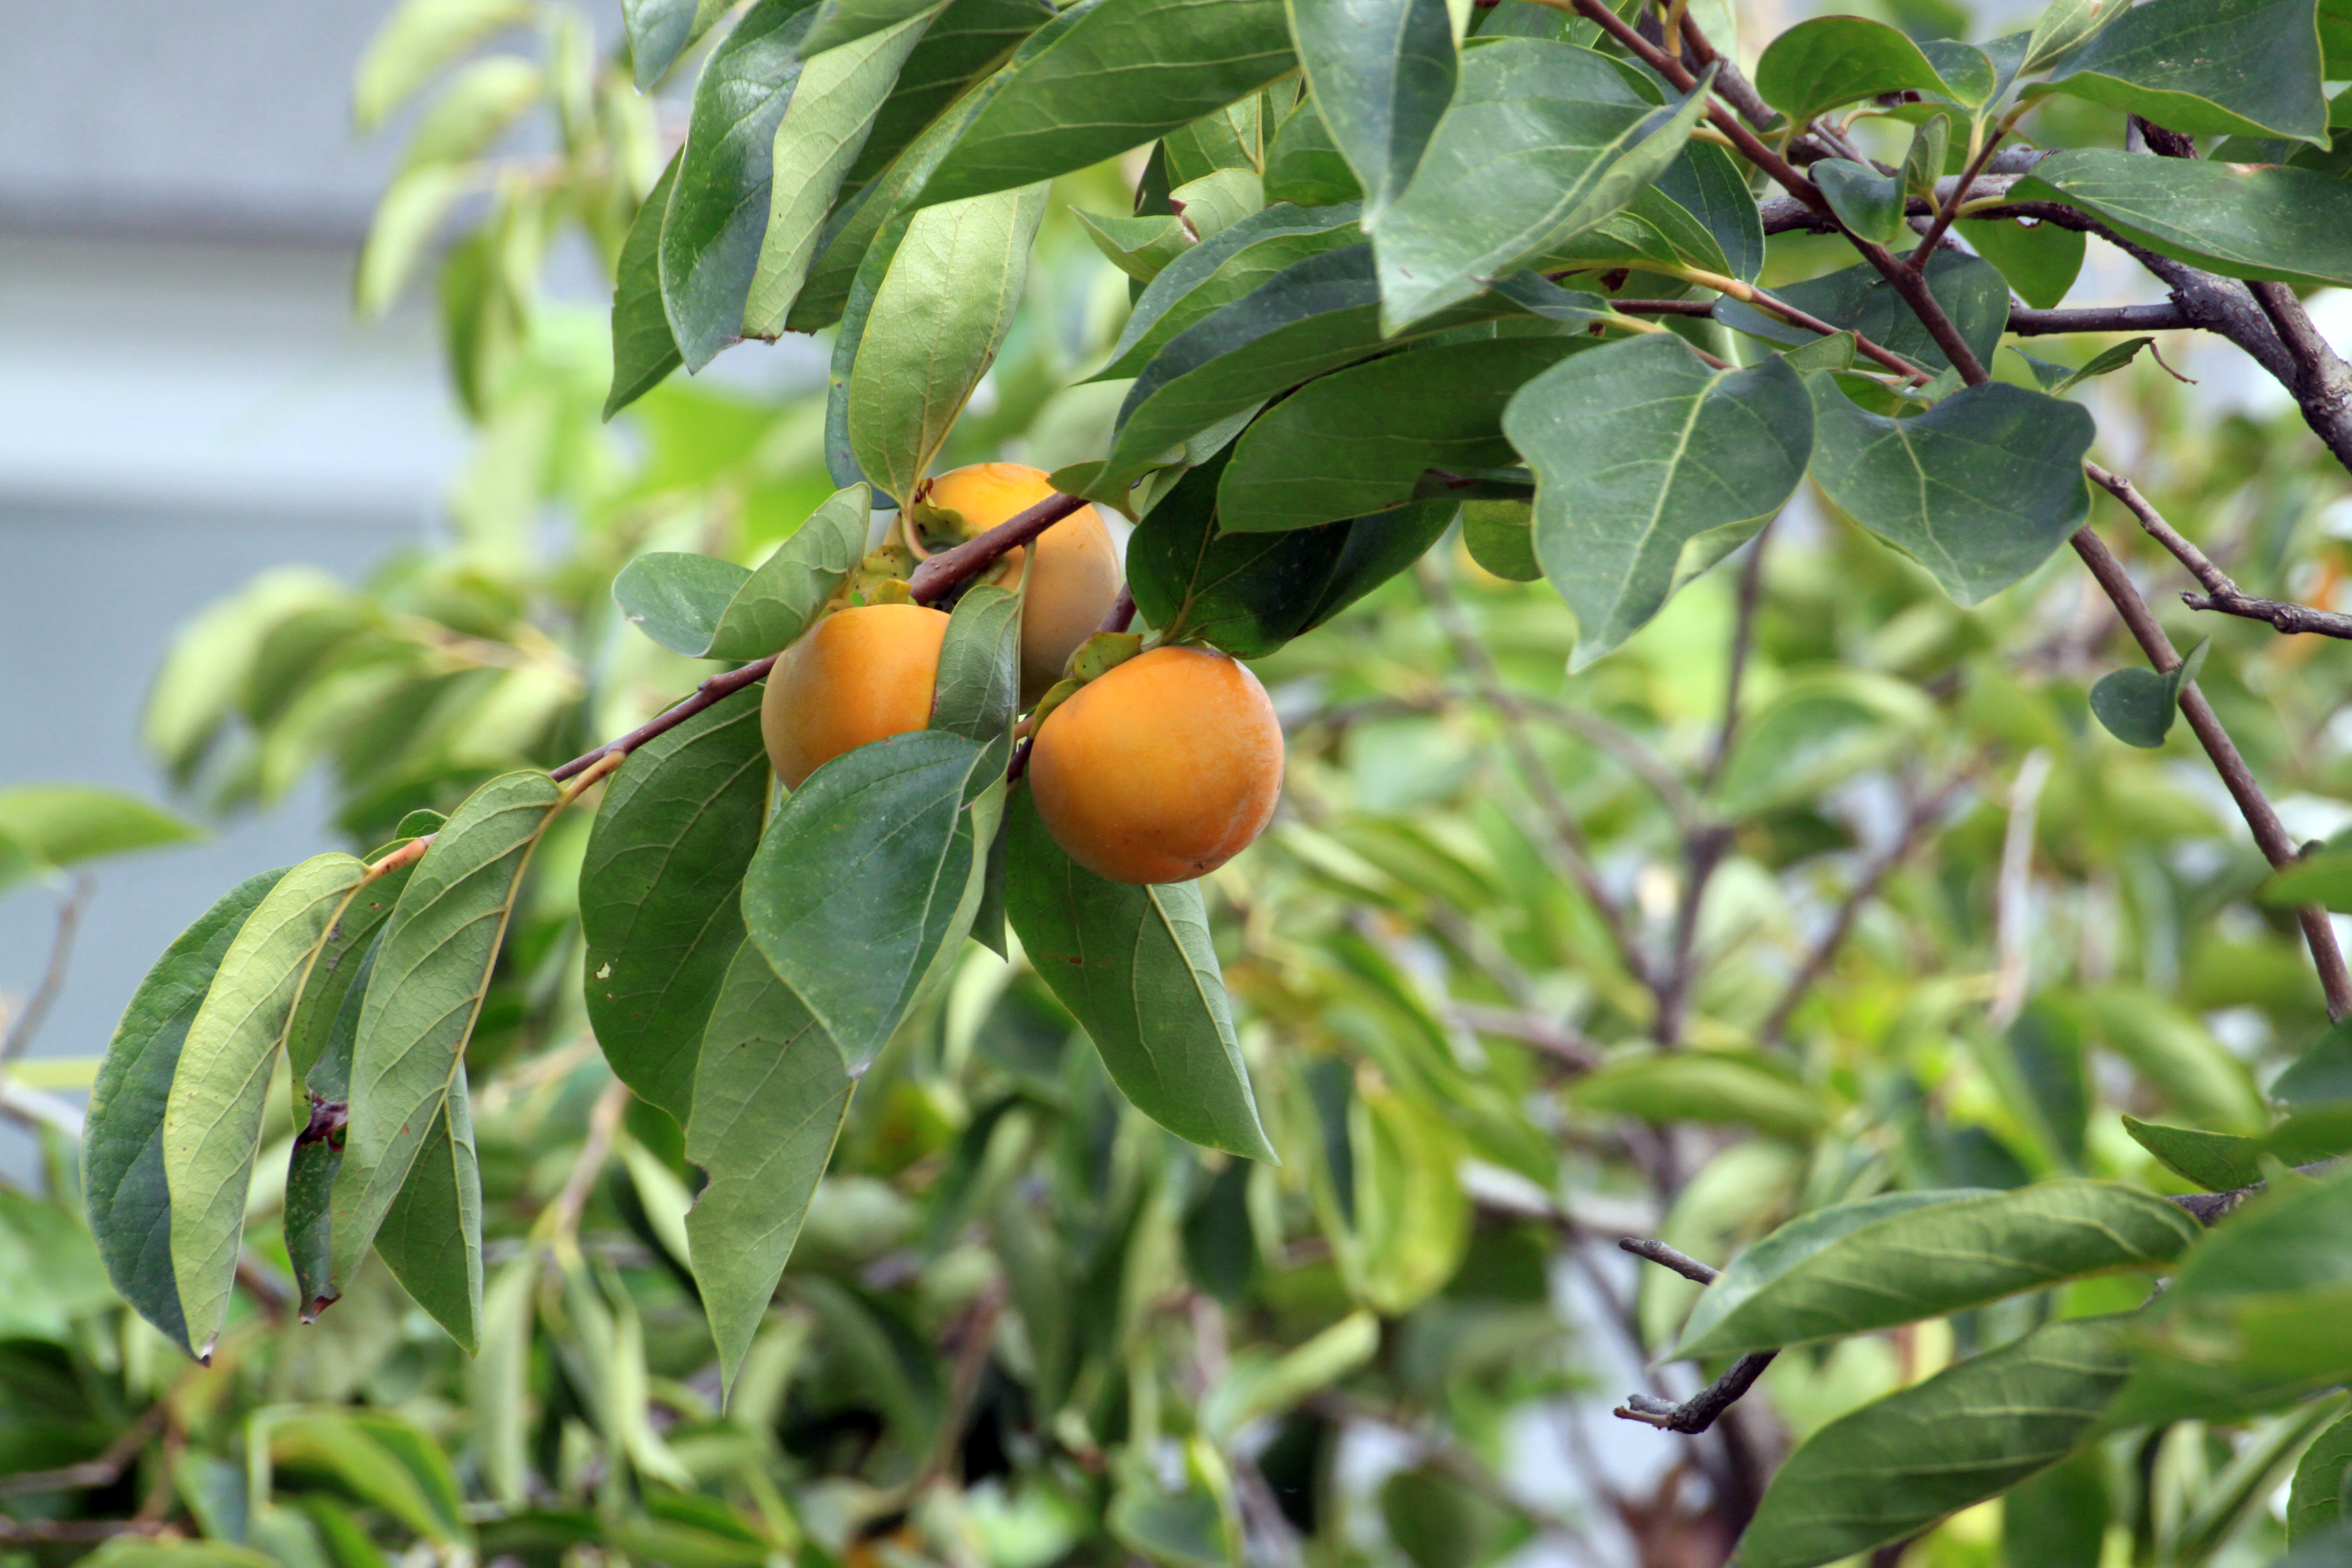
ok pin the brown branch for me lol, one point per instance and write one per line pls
(1703, 1409)
(1122, 610)
(2030, 323)
(2285, 618)
(53, 976)
(1948, 207)
(2209, 1208)
(2221, 594)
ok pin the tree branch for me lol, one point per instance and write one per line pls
(2221, 594)
(2030, 323)
(53, 977)
(1702, 1409)
(2209, 1208)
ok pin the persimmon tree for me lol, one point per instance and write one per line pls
(1442, 355)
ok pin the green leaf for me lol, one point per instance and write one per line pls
(1701, 1086)
(317, 1155)
(486, 98)
(1972, 293)
(1834, 60)
(1198, 1526)
(769, 1093)
(2137, 705)
(941, 313)
(1652, 467)
(711, 236)
(407, 219)
(1930, 151)
(782, 599)
(1708, 182)
(2323, 1073)
(1357, 440)
(1304, 165)
(420, 37)
(2217, 1162)
(978, 687)
(867, 878)
(1230, 139)
(63, 825)
(435, 967)
(1219, 271)
(1653, 230)
(2171, 1049)
(1140, 246)
(2064, 25)
(1894, 1466)
(841, 23)
(677, 598)
(212, 1117)
(123, 1140)
(1258, 1388)
(2325, 879)
(1543, 140)
(1215, 202)
(2057, 1518)
(431, 1237)
(1899, 1265)
(1382, 72)
(1248, 594)
(1106, 76)
(2242, 220)
(1134, 964)
(1865, 201)
(661, 30)
(2040, 260)
(383, 1461)
(2247, 68)
(962, 45)
(2058, 379)
(1500, 536)
(1978, 490)
(658, 907)
(2316, 1501)
(825, 126)
(1822, 726)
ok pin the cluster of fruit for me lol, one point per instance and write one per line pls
(1158, 770)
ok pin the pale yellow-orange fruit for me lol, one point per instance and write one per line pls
(1161, 770)
(862, 674)
(1075, 575)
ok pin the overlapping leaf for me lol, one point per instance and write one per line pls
(1219, 271)
(1832, 60)
(661, 30)
(2247, 68)
(644, 349)
(1382, 72)
(705, 607)
(431, 1236)
(2242, 220)
(1972, 293)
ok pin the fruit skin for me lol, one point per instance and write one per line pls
(862, 674)
(1163, 769)
(1075, 577)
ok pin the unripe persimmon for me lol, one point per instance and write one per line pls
(1163, 769)
(861, 674)
(1075, 578)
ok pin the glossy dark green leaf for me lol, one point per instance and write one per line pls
(1540, 145)
(123, 1140)
(770, 1092)
(867, 878)
(1651, 230)
(961, 46)
(2315, 1502)
(2247, 68)
(2062, 26)
(658, 883)
(831, 114)
(431, 1237)
(212, 1117)
(1382, 72)
(2040, 260)
(2136, 705)
(2057, 1518)
(979, 682)
(1978, 490)
(677, 598)
(1834, 60)
(783, 596)
(1106, 76)
(644, 351)
(1652, 467)
(661, 30)
(2217, 1162)
(1135, 965)
(1707, 182)
(1219, 271)
(1865, 201)
(840, 23)
(1972, 292)
(427, 989)
(1903, 1263)
(1500, 536)
(324, 1091)
(718, 214)
(2242, 220)
(1304, 165)
(1357, 440)
(1894, 1466)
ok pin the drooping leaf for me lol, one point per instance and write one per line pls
(1500, 536)
(937, 321)
(322, 1092)
(783, 596)
(824, 127)
(2246, 67)
(2315, 1502)
(1106, 76)
(841, 23)
(867, 876)
(1134, 964)
(676, 597)
(1894, 1466)
(661, 30)
(1140, 246)
(1834, 60)
(1382, 72)
(770, 1092)
(1652, 467)
(2217, 1162)
(1539, 145)
(710, 237)
(382, 1460)
(55, 825)
(1865, 201)
(1707, 182)
(2242, 220)
(420, 37)
(1357, 440)
(1902, 1263)
(644, 351)
(1978, 490)
(427, 989)
(1701, 1086)
(2040, 260)
(658, 907)
(979, 683)
(1304, 165)
(212, 1117)
(1219, 271)
(122, 1140)
(1972, 293)
(431, 1237)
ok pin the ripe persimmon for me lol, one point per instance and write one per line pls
(861, 674)
(1161, 770)
(1074, 580)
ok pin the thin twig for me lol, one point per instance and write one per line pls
(1703, 1409)
(2030, 323)
(53, 977)
(2221, 594)
(1122, 610)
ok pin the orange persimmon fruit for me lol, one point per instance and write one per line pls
(1073, 582)
(861, 674)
